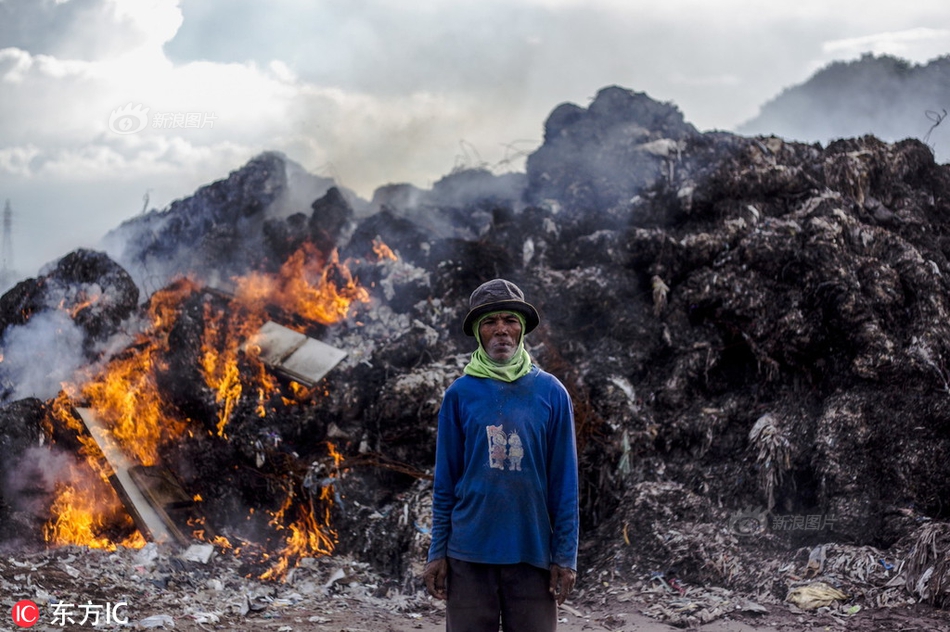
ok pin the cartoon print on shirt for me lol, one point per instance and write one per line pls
(497, 446)
(515, 451)
(504, 447)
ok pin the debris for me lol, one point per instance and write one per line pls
(782, 420)
(156, 621)
(150, 516)
(814, 596)
(298, 356)
(660, 290)
(200, 553)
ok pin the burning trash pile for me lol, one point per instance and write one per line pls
(755, 334)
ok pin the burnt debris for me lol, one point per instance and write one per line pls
(751, 329)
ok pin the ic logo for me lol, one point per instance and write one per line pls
(25, 613)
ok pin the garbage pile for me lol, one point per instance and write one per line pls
(755, 334)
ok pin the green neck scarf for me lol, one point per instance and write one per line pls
(483, 366)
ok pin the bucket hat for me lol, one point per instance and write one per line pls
(499, 295)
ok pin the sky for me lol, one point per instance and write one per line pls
(112, 107)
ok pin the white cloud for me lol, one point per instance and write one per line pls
(916, 44)
(371, 92)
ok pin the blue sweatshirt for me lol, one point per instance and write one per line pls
(505, 487)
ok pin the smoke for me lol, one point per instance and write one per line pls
(886, 96)
(34, 490)
(40, 355)
(34, 476)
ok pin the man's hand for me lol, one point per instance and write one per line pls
(562, 582)
(434, 575)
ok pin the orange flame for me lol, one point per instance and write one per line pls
(316, 290)
(308, 535)
(383, 251)
(125, 396)
(83, 509)
(219, 362)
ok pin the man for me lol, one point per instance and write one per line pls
(504, 500)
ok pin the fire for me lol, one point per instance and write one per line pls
(383, 251)
(78, 519)
(86, 507)
(307, 535)
(126, 398)
(317, 290)
(219, 361)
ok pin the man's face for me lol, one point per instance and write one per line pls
(500, 334)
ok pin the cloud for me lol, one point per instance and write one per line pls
(86, 29)
(369, 92)
(910, 43)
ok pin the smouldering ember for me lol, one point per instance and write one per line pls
(125, 396)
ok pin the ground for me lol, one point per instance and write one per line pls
(167, 589)
(365, 618)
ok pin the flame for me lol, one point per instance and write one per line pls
(308, 535)
(383, 251)
(84, 509)
(219, 361)
(78, 519)
(125, 396)
(307, 286)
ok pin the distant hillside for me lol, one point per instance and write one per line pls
(888, 97)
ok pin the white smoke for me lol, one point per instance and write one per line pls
(41, 354)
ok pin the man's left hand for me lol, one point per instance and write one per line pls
(562, 582)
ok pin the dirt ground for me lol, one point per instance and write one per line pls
(337, 594)
(358, 616)
(364, 618)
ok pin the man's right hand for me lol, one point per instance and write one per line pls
(434, 575)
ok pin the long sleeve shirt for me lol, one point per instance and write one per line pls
(505, 488)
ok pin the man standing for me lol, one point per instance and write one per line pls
(504, 500)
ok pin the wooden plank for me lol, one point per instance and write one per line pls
(164, 494)
(146, 518)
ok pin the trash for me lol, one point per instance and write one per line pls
(150, 516)
(816, 562)
(298, 356)
(200, 553)
(814, 596)
(338, 575)
(745, 605)
(156, 621)
(802, 346)
(147, 555)
(205, 617)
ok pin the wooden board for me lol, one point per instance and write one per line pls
(151, 519)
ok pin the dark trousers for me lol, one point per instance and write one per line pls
(480, 594)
